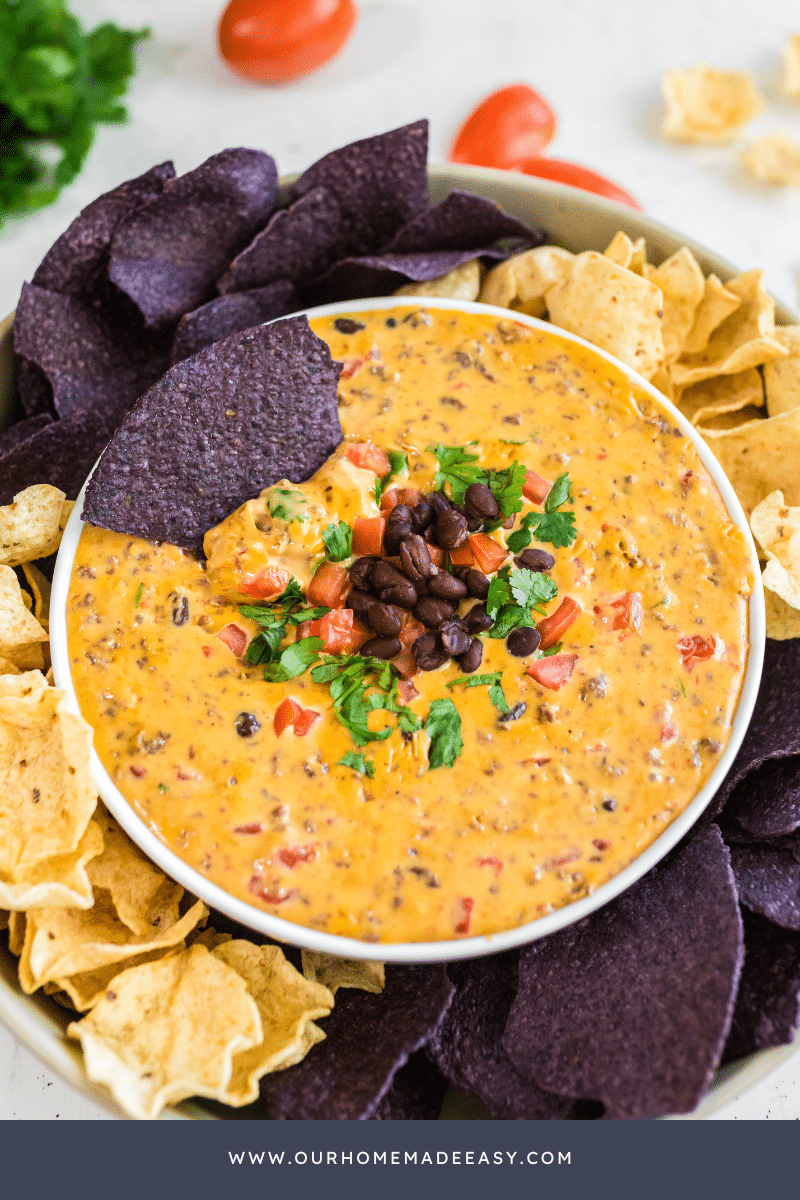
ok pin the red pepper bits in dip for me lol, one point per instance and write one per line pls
(375, 812)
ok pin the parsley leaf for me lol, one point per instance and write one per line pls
(457, 467)
(496, 693)
(443, 727)
(294, 660)
(364, 766)
(338, 541)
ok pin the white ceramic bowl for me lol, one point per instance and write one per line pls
(409, 952)
(579, 221)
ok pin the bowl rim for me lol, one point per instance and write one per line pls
(469, 947)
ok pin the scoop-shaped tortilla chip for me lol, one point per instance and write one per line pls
(760, 457)
(522, 281)
(626, 253)
(776, 525)
(613, 308)
(717, 303)
(47, 794)
(334, 972)
(132, 880)
(782, 375)
(462, 283)
(229, 314)
(767, 1011)
(19, 629)
(707, 105)
(288, 1005)
(682, 285)
(774, 159)
(32, 525)
(169, 1029)
(704, 401)
(58, 882)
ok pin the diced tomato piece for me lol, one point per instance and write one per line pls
(285, 714)
(234, 637)
(436, 553)
(335, 629)
(368, 456)
(411, 630)
(535, 488)
(696, 649)
(623, 613)
(491, 860)
(405, 688)
(405, 664)
(350, 366)
(553, 627)
(466, 904)
(268, 583)
(290, 856)
(462, 555)
(668, 733)
(253, 828)
(206, 650)
(553, 672)
(329, 586)
(269, 895)
(368, 535)
(395, 496)
(488, 555)
(305, 720)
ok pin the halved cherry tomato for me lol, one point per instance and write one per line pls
(535, 488)
(275, 41)
(235, 637)
(368, 535)
(268, 583)
(553, 627)
(336, 629)
(462, 555)
(623, 613)
(696, 649)
(368, 456)
(329, 586)
(553, 672)
(512, 124)
(577, 177)
(486, 552)
(285, 714)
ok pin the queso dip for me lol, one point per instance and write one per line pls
(607, 734)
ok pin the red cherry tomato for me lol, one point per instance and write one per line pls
(512, 124)
(276, 41)
(578, 177)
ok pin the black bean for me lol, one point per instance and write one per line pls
(470, 660)
(523, 641)
(455, 638)
(428, 652)
(451, 529)
(247, 724)
(477, 620)
(361, 571)
(347, 325)
(432, 611)
(394, 534)
(381, 647)
(477, 583)
(447, 586)
(473, 523)
(416, 559)
(439, 503)
(400, 512)
(535, 560)
(514, 713)
(479, 502)
(421, 516)
(392, 585)
(180, 610)
(384, 619)
(360, 602)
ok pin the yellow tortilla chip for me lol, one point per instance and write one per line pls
(612, 308)
(16, 932)
(744, 339)
(84, 989)
(726, 421)
(717, 304)
(707, 105)
(19, 629)
(626, 253)
(169, 1029)
(132, 880)
(9, 668)
(522, 281)
(776, 526)
(209, 938)
(58, 882)
(783, 622)
(3, 920)
(32, 525)
(760, 457)
(791, 66)
(288, 1005)
(682, 286)
(40, 589)
(462, 283)
(336, 972)
(722, 394)
(782, 375)
(774, 159)
(47, 792)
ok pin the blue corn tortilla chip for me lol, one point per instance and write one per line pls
(766, 803)
(33, 388)
(298, 243)
(467, 1047)
(257, 407)
(369, 1037)
(15, 435)
(734, 835)
(462, 222)
(168, 255)
(58, 452)
(76, 264)
(382, 274)
(768, 881)
(632, 1005)
(767, 1011)
(229, 314)
(90, 364)
(416, 1094)
(380, 182)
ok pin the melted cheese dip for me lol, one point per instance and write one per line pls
(535, 812)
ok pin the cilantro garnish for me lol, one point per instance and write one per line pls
(338, 541)
(357, 762)
(531, 588)
(294, 660)
(512, 594)
(347, 676)
(510, 616)
(551, 650)
(162, 787)
(139, 593)
(457, 467)
(550, 525)
(398, 463)
(443, 727)
(274, 619)
(496, 693)
(506, 487)
(282, 504)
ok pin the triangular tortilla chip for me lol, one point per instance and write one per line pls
(782, 375)
(522, 281)
(32, 525)
(131, 879)
(707, 105)
(760, 457)
(774, 159)
(783, 622)
(717, 304)
(40, 589)
(723, 394)
(682, 285)
(776, 525)
(58, 882)
(19, 629)
(462, 283)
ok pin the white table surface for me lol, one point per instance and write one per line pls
(599, 63)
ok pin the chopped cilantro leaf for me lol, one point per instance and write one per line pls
(498, 594)
(308, 614)
(286, 504)
(139, 593)
(265, 646)
(294, 660)
(364, 766)
(510, 616)
(163, 787)
(496, 693)
(559, 493)
(523, 537)
(531, 588)
(558, 528)
(457, 467)
(338, 541)
(550, 525)
(398, 463)
(506, 487)
(443, 727)
(511, 596)
(551, 650)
